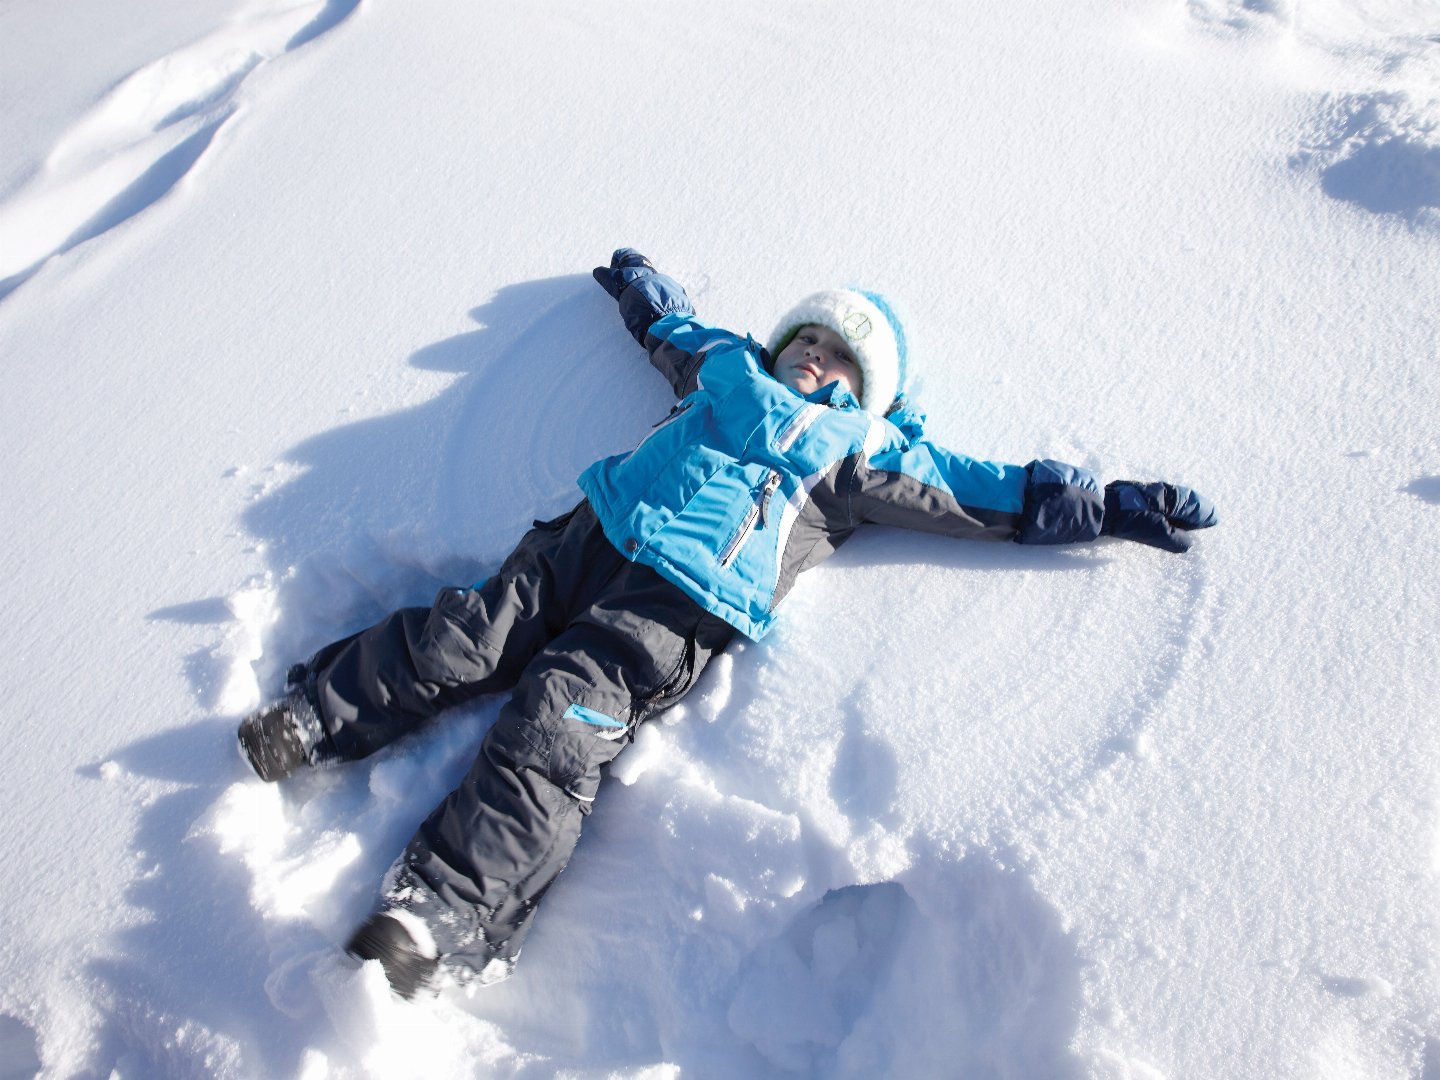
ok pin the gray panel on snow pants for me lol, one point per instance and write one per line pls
(566, 621)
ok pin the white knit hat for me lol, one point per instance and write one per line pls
(868, 327)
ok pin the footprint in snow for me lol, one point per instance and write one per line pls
(1389, 174)
(869, 983)
(865, 781)
(1430, 1064)
(1426, 488)
(1243, 15)
(19, 1049)
(1379, 148)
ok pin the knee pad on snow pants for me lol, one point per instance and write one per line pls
(374, 687)
(480, 864)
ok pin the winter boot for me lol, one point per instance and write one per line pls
(384, 938)
(271, 741)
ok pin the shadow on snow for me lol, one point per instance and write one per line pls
(381, 513)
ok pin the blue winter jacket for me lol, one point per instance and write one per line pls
(747, 482)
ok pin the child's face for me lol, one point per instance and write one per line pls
(816, 357)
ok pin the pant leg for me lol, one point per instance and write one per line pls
(370, 689)
(480, 864)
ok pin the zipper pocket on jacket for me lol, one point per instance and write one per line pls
(676, 411)
(755, 517)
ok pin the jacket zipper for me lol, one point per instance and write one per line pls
(771, 483)
(755, 517)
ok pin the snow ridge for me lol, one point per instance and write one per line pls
(145, 136)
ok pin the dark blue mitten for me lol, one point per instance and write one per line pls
(626, 265)
(653, 294)
(1156, 514)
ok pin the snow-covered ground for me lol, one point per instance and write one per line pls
(297, 325)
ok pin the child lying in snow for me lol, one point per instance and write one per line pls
(605, 616)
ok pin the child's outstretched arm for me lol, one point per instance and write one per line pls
(645, 296)
(920, 485)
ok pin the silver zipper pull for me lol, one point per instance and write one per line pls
(771, 484)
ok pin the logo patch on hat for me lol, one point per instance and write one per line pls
(856, 325)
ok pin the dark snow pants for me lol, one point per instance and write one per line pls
(592, 645)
